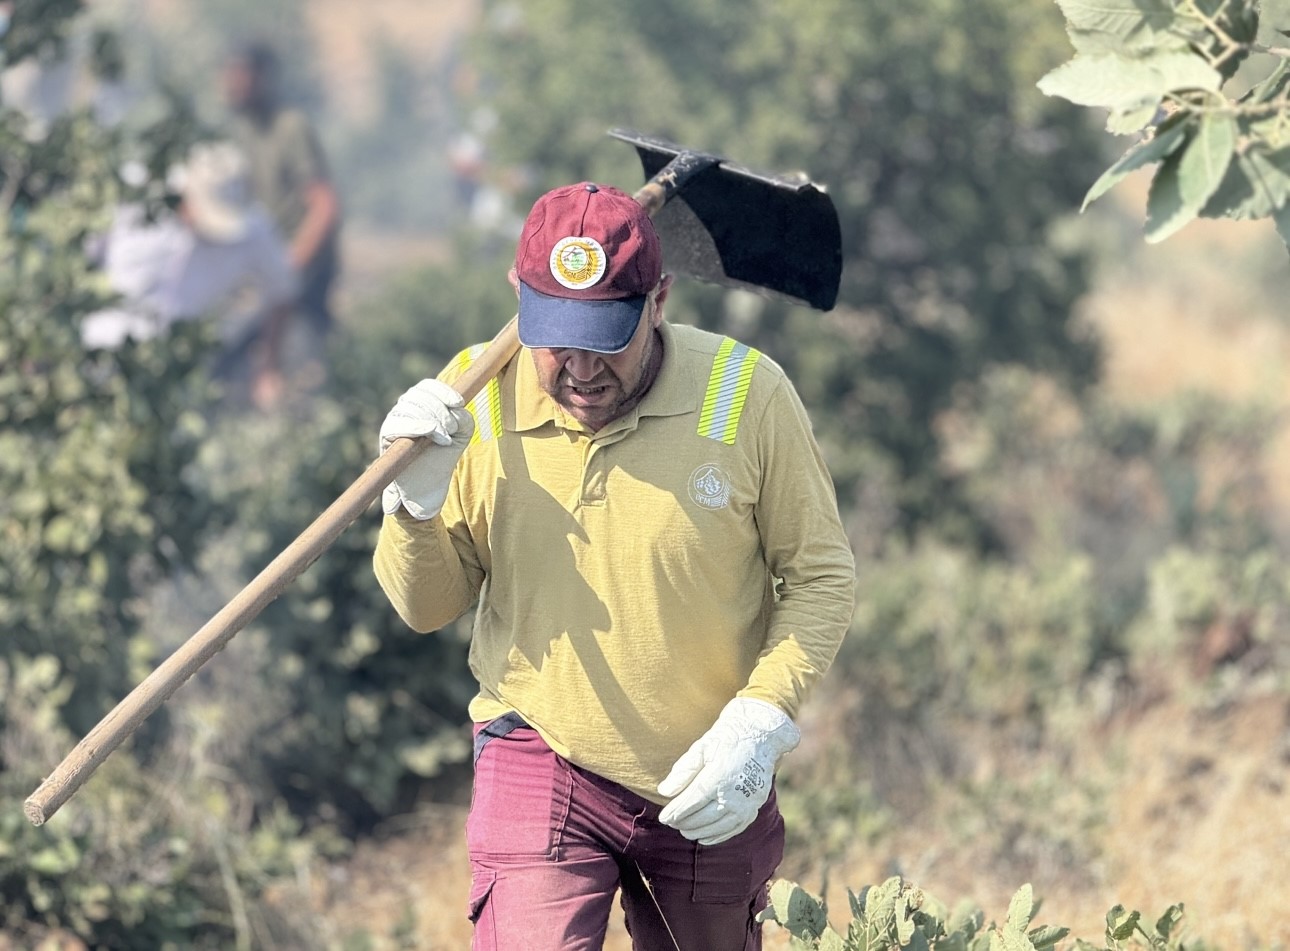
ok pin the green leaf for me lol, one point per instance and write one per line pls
(1046, 936)
(1126, 20)
(1257, 183)
(1153, 150)
(831, 941)
(1179, 71)
(1166, 923)
(1272, 84)
(857, 904)
(1190, 176)
(880, 900)
(1122, 83)
(1096, 41)
(1021, 908)
(1240, 21)
(1274, 22)
(1120, 929)
(1009, 938)
(799, 912)
(904, 927)
(1114, 915)
(1135, 119)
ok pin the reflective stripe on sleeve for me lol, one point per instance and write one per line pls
(486, 407)
(727, 389)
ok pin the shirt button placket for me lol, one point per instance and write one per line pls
(593, 477)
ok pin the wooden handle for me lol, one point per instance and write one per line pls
(158, 686)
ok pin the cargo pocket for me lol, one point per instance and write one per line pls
(520, 800)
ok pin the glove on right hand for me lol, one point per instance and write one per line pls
(436, 411)
(720, 783)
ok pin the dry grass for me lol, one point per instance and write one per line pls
(1197, 816)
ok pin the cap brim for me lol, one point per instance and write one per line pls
(557, 323)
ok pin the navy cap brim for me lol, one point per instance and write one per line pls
(557, 323)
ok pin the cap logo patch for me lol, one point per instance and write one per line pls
(577, 263)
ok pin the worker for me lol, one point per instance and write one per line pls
(643, 516)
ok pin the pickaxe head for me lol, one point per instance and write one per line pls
(771, 234)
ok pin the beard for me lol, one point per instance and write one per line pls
(607, 396)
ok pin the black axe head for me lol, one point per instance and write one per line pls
(776, 235)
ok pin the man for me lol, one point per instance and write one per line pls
(217, 253)
(645, 519)
(289, 175)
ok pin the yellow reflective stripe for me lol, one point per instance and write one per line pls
(723, 403)
(486, 407)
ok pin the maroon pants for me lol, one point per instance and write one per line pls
(550, 844)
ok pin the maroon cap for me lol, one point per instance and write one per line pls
(587, 257)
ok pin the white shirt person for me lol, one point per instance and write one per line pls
(217, 253)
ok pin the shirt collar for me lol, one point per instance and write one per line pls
(672, 394)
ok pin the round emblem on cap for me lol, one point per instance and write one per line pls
(577, 262)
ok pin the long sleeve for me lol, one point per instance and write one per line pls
(807, 553)
(422, 572)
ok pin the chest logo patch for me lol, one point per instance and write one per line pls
(710, 487)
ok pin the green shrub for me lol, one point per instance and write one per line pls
(98, 506)
(161, 856)
(941, 631)
(898, 914)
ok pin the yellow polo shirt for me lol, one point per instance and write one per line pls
(632, 581)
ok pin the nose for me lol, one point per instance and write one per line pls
(583, 365)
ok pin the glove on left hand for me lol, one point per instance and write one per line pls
(435, 411)
(725, 777)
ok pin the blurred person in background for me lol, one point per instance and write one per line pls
(215, 253)
(485, 190)
(290, 176)
(645, 520)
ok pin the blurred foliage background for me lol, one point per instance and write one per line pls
(1057, 548)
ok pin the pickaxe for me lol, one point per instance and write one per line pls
(717, 221)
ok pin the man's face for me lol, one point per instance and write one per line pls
(241, 86)
(598, 388)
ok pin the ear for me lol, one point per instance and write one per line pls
(660, 295)
(514, 280)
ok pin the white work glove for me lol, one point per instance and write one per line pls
(436, 411)
(721, 781)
